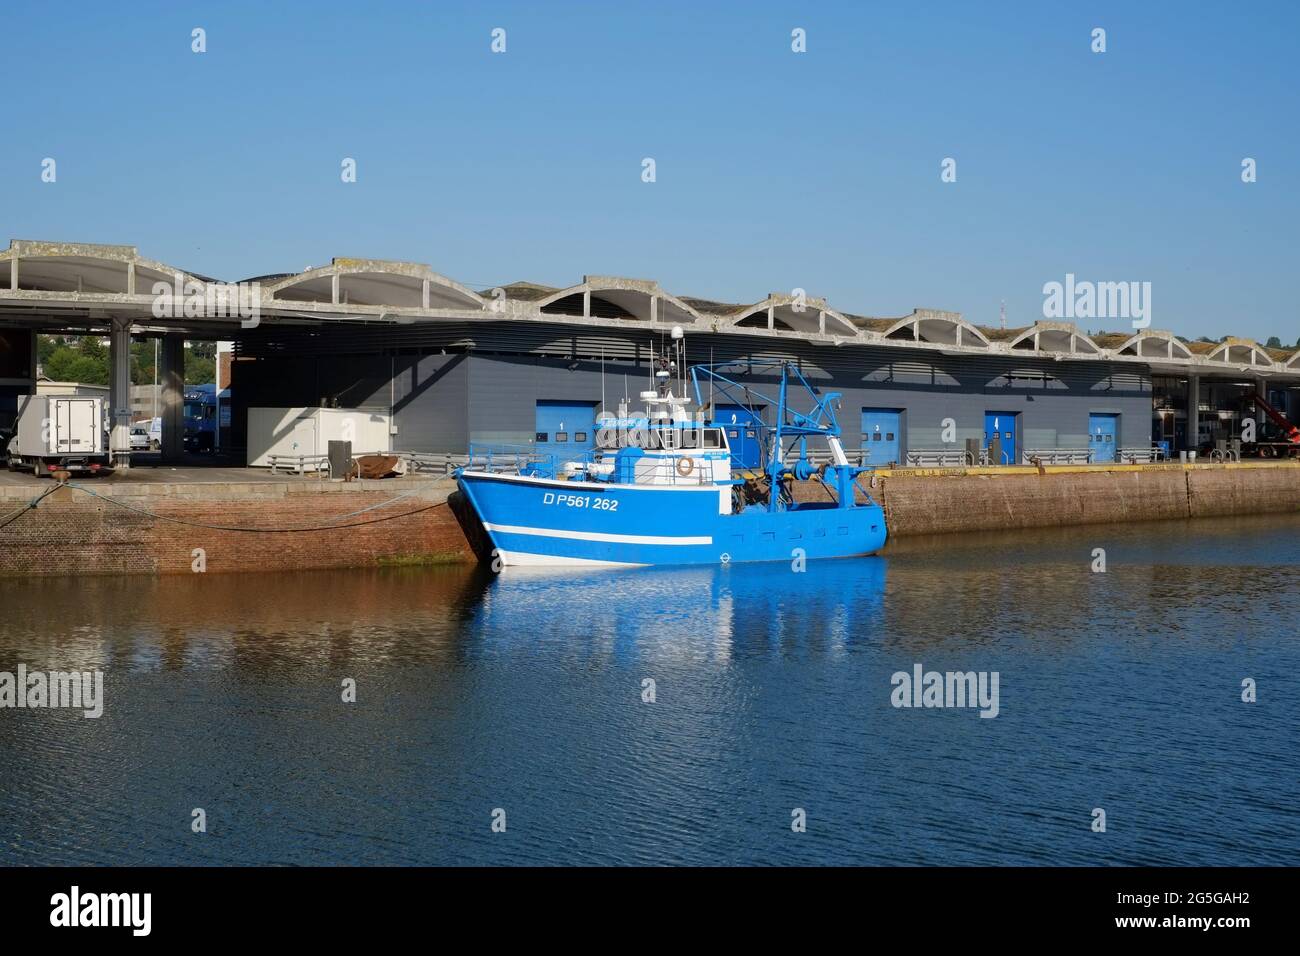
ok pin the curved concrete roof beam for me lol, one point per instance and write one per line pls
(1154, 343)
(375, 282)
(73, 274)
(937, 328)
(84, 268)
(1062, 337)
(674, 311)
(580, 301)
(620, 298)
(1238, 351)
(788, 313)
(634, 302)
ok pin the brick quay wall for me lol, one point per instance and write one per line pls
(119, 527)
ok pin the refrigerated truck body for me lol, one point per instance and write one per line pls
(60, 433)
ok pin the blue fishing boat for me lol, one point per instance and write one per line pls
(667, 487)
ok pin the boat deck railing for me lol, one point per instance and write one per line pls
(527, 460)
(510, 459)
(666, 473)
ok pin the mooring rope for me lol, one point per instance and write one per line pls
(13, 516)
(333, 526)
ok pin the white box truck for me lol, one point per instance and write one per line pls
(60, 433)
(300, 437)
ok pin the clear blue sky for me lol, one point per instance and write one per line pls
(774, 169)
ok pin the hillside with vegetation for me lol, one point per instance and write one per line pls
(84, 359)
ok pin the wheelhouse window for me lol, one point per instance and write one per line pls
(690, 437)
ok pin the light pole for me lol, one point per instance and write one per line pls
(216, 425)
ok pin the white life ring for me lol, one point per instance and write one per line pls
(686, 466)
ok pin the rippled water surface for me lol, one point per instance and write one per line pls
(1119, 690)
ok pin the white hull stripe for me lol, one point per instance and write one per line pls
(523, 559)
(594, 535)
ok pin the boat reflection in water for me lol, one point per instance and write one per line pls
(714, 612)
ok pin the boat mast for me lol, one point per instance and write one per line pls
(775, 466)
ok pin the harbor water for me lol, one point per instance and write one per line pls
(741, 714)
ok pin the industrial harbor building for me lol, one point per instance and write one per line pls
(448, 366)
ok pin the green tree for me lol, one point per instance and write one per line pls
(1273, 342)
(93, 347)
(85, 359)
(199, 370)
(67, 364)
(46, 345)
(142, 370)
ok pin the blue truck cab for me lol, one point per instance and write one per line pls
(201, 416)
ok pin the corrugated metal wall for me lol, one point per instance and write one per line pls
(486, 385)
(431, 402)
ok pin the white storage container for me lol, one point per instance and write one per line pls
(307, 432)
